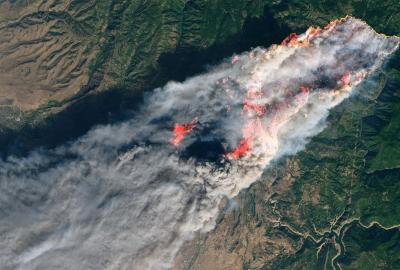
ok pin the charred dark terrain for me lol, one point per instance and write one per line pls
(66, 66)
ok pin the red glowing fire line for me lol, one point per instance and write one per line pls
(181, 131)
(290, 40)
(255, 127)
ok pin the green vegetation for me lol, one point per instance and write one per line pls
(346, 189)
(373, 248)
(348, 175)
(342, 208)
(139, 45)
(119, 45)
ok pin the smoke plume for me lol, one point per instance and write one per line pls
(126, 196)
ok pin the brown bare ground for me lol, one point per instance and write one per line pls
(41, 57)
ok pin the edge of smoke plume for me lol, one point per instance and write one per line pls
(106, 137)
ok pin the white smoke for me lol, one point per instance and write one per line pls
(122, 197)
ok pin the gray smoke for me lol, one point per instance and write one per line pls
(123, 197)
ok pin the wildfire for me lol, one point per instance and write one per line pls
(235, 59)
(292, 39)
(255, 129)
(303, 40)
(250, 107)
(181, 131)
(268, 104)
(346, 79)
(243, 148)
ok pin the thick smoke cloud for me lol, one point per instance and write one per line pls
(123, 197)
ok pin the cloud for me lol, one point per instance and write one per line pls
(123, 197)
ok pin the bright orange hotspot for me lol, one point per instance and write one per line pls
(290, 40)
(242, 148)
(181, 131)
(345, 79)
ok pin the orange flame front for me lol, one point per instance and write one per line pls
(181, 131)
(255, 128)
(264, 118)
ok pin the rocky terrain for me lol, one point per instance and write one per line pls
(56, 53)
(333, 206)
(67, 65)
